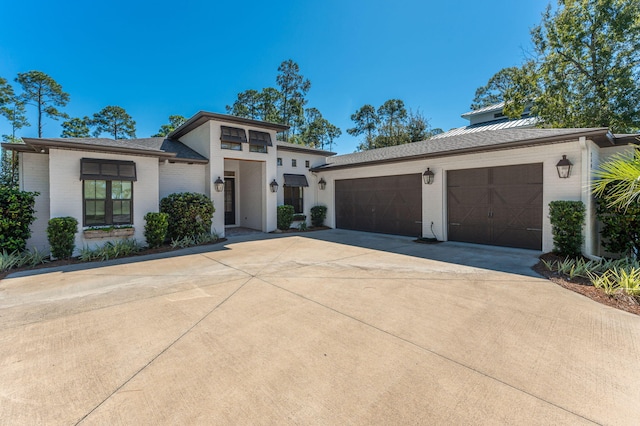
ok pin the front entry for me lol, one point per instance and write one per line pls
(229, 201)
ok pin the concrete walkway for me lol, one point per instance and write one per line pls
(330, 327)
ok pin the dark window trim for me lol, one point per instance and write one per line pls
(108, 207)
(121, 175)
(292, 200)
(259, 138)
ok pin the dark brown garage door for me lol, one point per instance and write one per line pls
(499, 205)
(388, 204)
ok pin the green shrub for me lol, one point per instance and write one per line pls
(620, 226)
(285, 217)
(155, 228)
(318, 215)
(17, 213)
(567, 219)
(61, 235)
(189, 214)
(16, 259)
(111, 250)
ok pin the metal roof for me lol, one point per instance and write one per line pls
(490, 108)
(286, 146)
(295, 180)
(491, 125)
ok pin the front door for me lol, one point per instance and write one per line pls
(229, 201)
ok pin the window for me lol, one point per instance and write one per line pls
(232, 138)
(107, 191)
(306, 163)
(107, 202)
(259, 141)
(293, 197)
(294, 162)
(279, 161)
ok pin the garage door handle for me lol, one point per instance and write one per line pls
(534, 229)
(454, 224)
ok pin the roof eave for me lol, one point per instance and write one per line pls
(304, 149)
(39, 144)
(202, 117)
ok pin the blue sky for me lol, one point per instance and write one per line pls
(157, 58)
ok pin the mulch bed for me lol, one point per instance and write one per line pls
(583, 286)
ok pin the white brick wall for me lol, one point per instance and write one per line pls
(181, 177)
(34, 176)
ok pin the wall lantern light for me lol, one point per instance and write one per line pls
(564, 167)
(322, 183)
(219, 185)
(428, 176)
(274, 186)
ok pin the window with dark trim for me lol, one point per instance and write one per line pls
(293, 196)
(232, 138)
(294, 162)
(306, 163)
(259, 141)
(279, 161)
(107, 191)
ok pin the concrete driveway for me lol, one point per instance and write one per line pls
(331, 327)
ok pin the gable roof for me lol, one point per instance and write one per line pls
(202, 117)
(158, 147)
(470, 142)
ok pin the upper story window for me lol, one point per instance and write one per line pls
(279, 161)
(306, 163)
(107, 191)
(259, 141)
(294, 162)
(232, 138)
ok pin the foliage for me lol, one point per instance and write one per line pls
(9, 260)
(302, 226)
(316, 131)
(61, 233)
(512, 85)
(110, 250)
(155, 228)
(115, 121)
(285, 217)
(17, 213)
(12, 108)
(567, 219)
(43, 92)
(189, 214)
(318, 215)
(616, 280)
(175, 121)
(9, 165)
(194, 240)
(618, 180)
(293, 89)
(391, 124)
(76, 128)
(620, 227)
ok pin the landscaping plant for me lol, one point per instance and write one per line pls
(61, 233)
(567, 219)
(285, 217)
(620, 225)
(318, 215)
(155, 228)
(17, 213)
(188, 213)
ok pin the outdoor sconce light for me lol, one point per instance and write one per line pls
(219, 185)
(428, 176)
(564, 167)
(274, 186)
(322, 183)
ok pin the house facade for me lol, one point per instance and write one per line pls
(488, 187)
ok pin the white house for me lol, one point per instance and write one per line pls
(487, 187)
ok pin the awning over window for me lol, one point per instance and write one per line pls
(259, 138)
(295, 180)
(232, 134)
(95, 169)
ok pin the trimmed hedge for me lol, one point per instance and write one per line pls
(620, 226)
(189, 213)
(567, 219)
(17, 213)
(285, 217)
(155, 228)
(318, 215)
(61, 233)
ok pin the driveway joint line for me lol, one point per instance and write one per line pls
(431, 351)
(187, 331)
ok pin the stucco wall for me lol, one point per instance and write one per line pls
(434, 207)
(66, 190)
(251, 193)
(34, 177)
(310, 193)
(181, 177)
